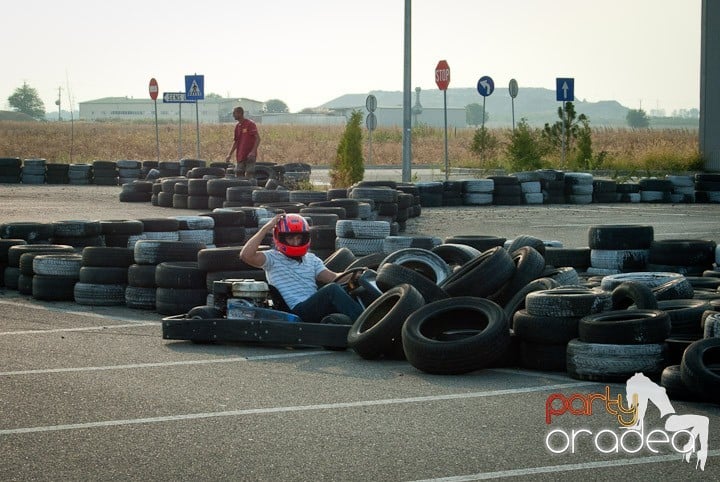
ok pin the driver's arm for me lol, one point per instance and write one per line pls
(326, 276)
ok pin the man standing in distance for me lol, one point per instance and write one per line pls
(245, 144)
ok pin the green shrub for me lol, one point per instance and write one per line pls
(349, 163)
(525, 148)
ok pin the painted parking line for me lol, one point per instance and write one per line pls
(83, 328)
(91, 314)
(290, 409)
(654, 459)
(162, 364)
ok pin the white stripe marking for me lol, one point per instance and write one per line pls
(301, 408)
(72, 312)
(654, 459)
(84, 328)
(161, 364)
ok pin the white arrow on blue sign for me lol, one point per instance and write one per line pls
(195, 87)
(565, 89)
(485, 86)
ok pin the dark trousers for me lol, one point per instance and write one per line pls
(331, 298)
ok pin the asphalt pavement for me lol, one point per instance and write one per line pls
(95, 393)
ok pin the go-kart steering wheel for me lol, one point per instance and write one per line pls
(349, 279)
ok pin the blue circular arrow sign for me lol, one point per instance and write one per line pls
(485, 86)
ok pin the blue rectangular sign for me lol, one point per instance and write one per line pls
(195, 87)
(565, 89)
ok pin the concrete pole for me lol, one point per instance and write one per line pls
(407, 98)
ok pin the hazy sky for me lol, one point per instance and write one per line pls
(309, 52)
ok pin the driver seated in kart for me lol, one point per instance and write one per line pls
(295, 272)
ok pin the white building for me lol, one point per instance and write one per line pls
(209, 111)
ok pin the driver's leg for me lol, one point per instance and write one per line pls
(331, 298)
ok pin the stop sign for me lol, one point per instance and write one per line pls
(153, 89)
(442, 75)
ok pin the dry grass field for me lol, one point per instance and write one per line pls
(82, 142)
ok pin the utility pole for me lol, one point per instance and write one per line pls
(58, 104)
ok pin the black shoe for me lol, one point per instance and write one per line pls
(336, 319)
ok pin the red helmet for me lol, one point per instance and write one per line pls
(288, 225)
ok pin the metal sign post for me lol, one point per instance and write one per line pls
(195, 91)
(442, 79)
(153, 95)
(370, 122)
(564, 92)
(513, 88)
(485, 87)
(179, 99)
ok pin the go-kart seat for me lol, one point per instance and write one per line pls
(278, 300)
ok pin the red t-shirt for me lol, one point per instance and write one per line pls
(245, 134)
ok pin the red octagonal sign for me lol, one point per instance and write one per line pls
(442, 75)
(153, 89)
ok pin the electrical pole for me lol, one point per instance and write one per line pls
(58, 104)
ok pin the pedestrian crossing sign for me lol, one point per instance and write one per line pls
(195, 87)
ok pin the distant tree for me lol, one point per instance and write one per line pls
(276, 106)
(25, 99)
(474, 114)
(637, 119)
(568, 125)
(213, 95)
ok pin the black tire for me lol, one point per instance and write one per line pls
(180, 274)
(426, 352)
(176, 301)
(633, 293)
(542, 356)
(525, 240)
(480, 242)
(481, 276)
(625, 327)
(699, 369)
(339, 260)
(390, 275)
(613, 363)
(103, 275)
(371, 261)
(549, 330)
(377, 331)
(107, 256)
(53, 288)
(529, 265)
(671, 379)
(517, 302)
(629, 236)
(568, 301)
(456, 255)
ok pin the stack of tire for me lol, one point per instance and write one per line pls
(695, 377)
(410, 189)
(691, 257)
(615, 345)
(103, 276)
(19, 272)
(136, 191)
(128, 171)
(30, 231)
(188, 164)
(431, 193)
(683, 188)
(56, 173)
(78, 233)
(165, 191)
(240, 196)
(80, 174)
(578, 188)
(142, 291)
(198, 229)
(265, 171)
(169, 168)
(55, 275)
(217, 190)
(10, 170)
(452, 194)
(386, 199)
(121, 233)
(197, 194)
(619, 248)
(507, 191)
(146, 167)
(477, 192)
(605, 191)
(181, 285)
(206, 173)
(33, 171)
(707, 188)
(161, 229)
(629, 192)
(360, 237)
(262, 197)
(229, 227)
(655, 190)
(552, 184)
(105, 173)
(5, 245)
(530, 187)
(550, 321)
